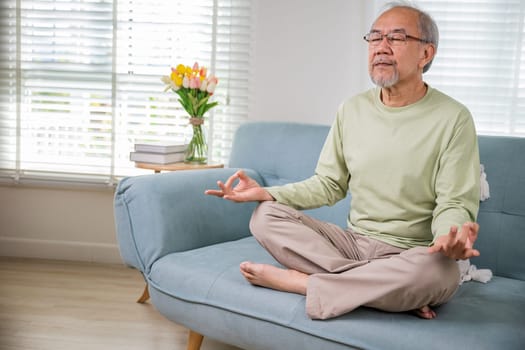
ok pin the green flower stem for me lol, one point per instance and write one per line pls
(197, 151)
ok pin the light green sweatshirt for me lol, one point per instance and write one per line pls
(413, 171)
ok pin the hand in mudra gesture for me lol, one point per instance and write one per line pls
(246, 189)
(458, 244)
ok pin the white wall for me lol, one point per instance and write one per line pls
(309, 57)
(57, 223)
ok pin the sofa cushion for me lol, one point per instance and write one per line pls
(480, 316)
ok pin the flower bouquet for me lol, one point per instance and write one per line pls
(194, 88)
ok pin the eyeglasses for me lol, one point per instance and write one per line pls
(393, 38)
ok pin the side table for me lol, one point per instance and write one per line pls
(157, 168)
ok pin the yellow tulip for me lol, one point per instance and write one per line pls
(178, 80)
(181, 69)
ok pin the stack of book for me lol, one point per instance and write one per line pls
(158, 153)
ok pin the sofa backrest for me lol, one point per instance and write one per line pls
(282, 153)
(286, 152)
(502, 217)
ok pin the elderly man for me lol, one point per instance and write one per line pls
(408, 155)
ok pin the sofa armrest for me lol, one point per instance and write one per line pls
(159, 214)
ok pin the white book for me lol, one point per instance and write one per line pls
(161, 147)
(156, 158)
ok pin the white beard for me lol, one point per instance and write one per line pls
(385, 82)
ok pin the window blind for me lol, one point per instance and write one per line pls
(481, 60)
(8, 87)
(81, 81)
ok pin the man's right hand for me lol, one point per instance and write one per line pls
(246, 190)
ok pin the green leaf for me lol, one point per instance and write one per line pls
(209, 106)
(195, 101)
(193, 104)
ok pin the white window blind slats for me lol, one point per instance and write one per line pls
(65, 60)
(8, 87)
(209, 46)
(89, 80)
(149, 45)
(479, 60)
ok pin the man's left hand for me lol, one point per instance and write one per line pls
(458, 245)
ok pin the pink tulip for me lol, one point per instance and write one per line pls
(213, 79)
(195, 67)
(211, 87)
(195, 83)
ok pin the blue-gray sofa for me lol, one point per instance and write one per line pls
(188, 246)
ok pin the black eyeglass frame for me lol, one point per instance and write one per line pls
(390, 41)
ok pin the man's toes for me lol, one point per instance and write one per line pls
(246, 266)
(426, 312)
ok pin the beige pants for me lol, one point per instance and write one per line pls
(348, 270)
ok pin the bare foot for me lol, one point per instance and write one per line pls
(426, 312)
(270, 276)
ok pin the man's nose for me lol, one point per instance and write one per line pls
(383, 47)
(384, 41)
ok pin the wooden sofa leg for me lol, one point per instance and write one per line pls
(194, 340)
(145, 295)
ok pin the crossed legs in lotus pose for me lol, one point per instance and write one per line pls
(293, 281)
(339, 270)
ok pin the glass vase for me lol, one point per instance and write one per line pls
(197, 151)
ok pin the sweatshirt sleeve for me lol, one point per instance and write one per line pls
(458, 179)
(328, 185)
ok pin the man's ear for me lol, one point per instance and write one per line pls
(428, 53)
